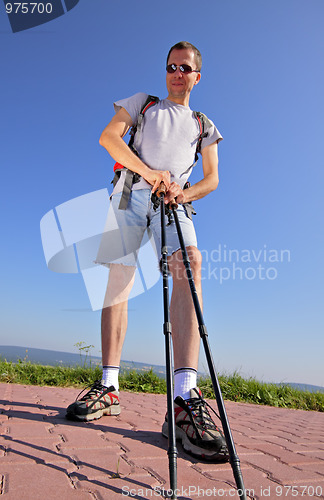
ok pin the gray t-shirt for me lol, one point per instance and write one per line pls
(167, 139)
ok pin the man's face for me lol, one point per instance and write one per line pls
(179, 84)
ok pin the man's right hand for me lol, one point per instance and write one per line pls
(155, 177)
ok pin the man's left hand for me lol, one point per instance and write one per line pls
(174, 193)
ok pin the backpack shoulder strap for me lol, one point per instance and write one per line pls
(131, 177)
(203, 123)
(150, 101)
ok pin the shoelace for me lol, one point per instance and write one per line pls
(199, 409)
(94, 389)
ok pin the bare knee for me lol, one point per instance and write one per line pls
(120, 283)
(118, 273)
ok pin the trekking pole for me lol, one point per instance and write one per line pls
(234, 459)
(167, 330)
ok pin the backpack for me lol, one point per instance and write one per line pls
(132, 178)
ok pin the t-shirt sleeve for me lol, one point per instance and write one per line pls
(213, 135)
(133, 105)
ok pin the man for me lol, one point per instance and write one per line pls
(164, 152)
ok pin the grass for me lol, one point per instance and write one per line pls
(236, 388)
(233, 387)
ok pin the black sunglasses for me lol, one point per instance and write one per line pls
(184, 68)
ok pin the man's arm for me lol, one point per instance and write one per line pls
(112, 140)
(208, 184)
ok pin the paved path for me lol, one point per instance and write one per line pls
(43, 456)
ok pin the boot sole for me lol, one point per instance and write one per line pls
(113, 410)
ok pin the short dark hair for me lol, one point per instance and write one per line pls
(187, 45)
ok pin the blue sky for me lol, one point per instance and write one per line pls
(262, 85)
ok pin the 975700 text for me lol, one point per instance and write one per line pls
(29, 8)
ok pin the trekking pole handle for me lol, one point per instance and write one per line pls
(161, 189)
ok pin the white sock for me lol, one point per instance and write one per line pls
(110, 376)
(184, 380)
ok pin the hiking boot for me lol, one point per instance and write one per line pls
(99, 401)
(196, 430)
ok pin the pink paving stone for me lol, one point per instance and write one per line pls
(26, 482)
(17, 417)
(216, 468)
(146, 409)
(318, 467)
(32, 451)
(285, 456)
(146, 413)
(282, 429)
(75, 431)
(246, 441)
(130, 411)
(281, 472)
(118, 435)
(116, 429)
(194, 472)
(244, 452)
(301, 440)
(315, 454)
(288, 444)
(3, 430)
(111, 489)
(143, 446)
(20, 406)
(29, 429)
(146, 424)
(142, 399)
(224, 474)
(137, 441)
(186, 483)
(84, 439)
(159, 466)
(62, 426)
(259, 486)
(294, 447)
(5, 408)
(94, 464)
(118, 439)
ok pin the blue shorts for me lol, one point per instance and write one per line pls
(127, 230)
